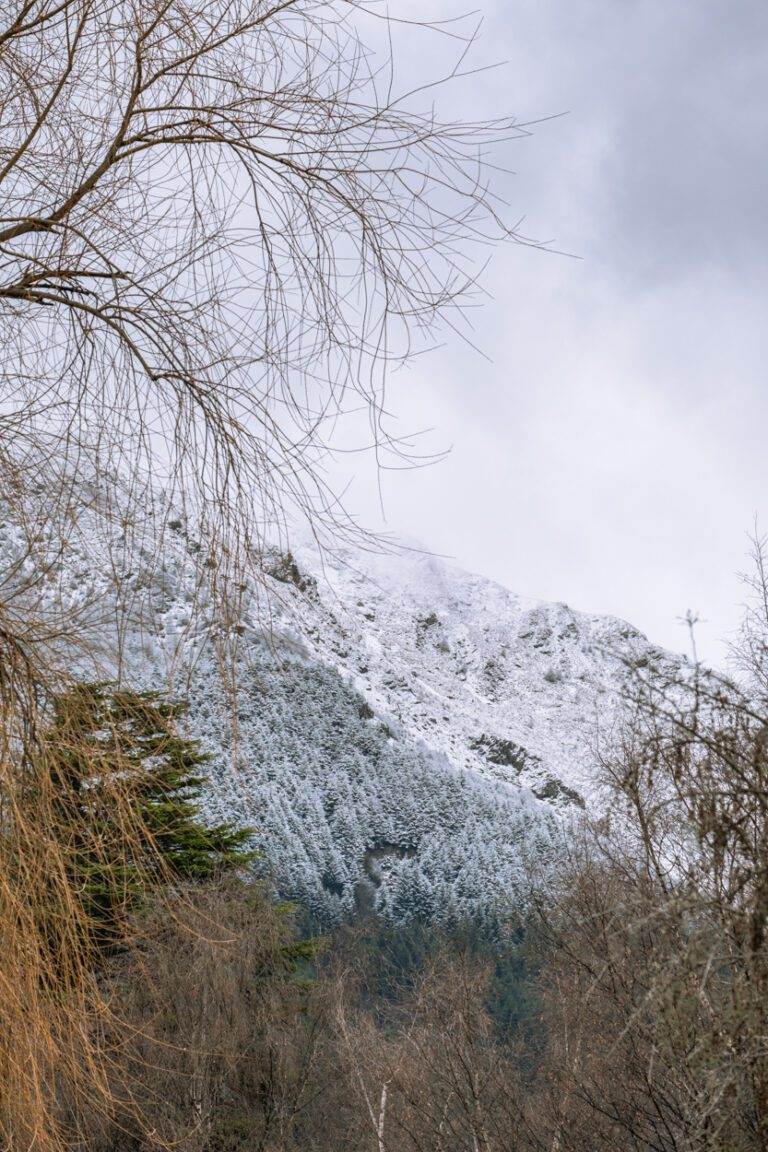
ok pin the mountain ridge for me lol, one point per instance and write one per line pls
(509, 688)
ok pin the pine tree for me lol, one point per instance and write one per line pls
(125, 786)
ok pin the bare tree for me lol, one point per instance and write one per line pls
(659, 958)
(218, 228)
(436, 1077)
(220, 225)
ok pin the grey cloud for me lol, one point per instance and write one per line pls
(612, 454)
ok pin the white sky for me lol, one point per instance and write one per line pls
(611, 454)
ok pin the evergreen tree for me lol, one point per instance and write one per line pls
(125, 786)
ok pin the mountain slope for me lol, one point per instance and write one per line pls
(507, 689)
(410, 734)
(407, 735)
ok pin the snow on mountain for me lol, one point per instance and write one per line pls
(408, 736)
(506, 688)
(412, 733)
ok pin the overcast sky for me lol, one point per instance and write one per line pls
(612, 452)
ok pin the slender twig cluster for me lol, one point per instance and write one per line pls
(219, 228)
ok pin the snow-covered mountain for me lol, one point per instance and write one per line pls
(411, 734)
(506, 688)
(407, 735)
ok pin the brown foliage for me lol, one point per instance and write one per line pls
(231, 1050)
(657, 1005)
